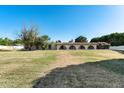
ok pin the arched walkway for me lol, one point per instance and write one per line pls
(72, 48)
(81, 47)
(90, 47)
(62, 47)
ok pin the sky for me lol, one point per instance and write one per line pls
(62, 22)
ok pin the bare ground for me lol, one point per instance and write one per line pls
(64, 59)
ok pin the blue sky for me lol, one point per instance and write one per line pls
(62, 22)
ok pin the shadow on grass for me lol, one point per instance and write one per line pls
(108, 73)
(119, 51)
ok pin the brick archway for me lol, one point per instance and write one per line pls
(72, 47)
(91, 47)
(81, 47)
(62, 47)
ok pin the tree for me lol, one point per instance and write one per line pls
(17, 41)
(42, 42)
(31, 39)
(6, 41)
(115, 39)
(28, 37)
(58, 41)
(45, 39)
(70, 41)
(81, 39)
(96, 39)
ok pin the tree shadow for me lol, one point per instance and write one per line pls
(100, 74)
(119, 51)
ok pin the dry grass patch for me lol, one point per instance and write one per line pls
(17, 71)
(96, 55)
(23, 68)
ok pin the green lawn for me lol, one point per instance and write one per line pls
(23, 68)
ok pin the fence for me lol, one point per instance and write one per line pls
(121, 48)
(11, 47)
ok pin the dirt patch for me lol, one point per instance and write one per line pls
(64, 59)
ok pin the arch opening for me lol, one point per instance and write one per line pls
(90, 47)
(62, 47)
(81, 47)
(72, 48)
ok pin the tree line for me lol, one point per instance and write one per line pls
(9, 42)
(31, 39)
(115, 39)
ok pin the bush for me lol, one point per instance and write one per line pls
(103, 46)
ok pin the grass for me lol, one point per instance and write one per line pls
(19, 69)
(23, 68)
(96, 55)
